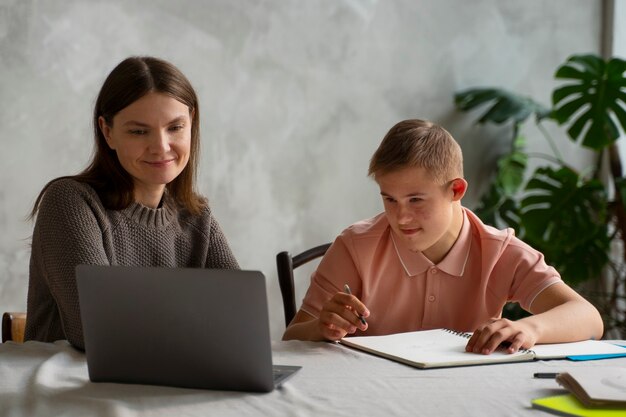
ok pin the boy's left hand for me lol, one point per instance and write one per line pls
(513, 334)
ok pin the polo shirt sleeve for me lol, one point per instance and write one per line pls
(529, 270)
(336, 269)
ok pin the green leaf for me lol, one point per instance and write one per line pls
(598, 135)
(619, 112)
(497, 209)
(565, 217)
(598, 87)
(565, 91)
(498, 206)
(511, 170)
(509, 212)
(570, 72)
(489, 204)
(579, 124)
(505, 106)
(592, 64)
(563, 113)
(467, 100)
(616, 67)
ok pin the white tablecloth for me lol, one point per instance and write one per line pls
(39, 379)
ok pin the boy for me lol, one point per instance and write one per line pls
(427, 262)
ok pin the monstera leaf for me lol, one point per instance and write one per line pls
(497, 209)
(506, 105)
(558, 212)
(595, 98)
(498, 206)
(564, 216)
(512, 166)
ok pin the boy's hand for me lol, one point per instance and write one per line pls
(340, 316)
(511, 334)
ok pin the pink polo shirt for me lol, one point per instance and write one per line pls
(404, 291)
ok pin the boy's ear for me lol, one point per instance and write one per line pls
(459, 187)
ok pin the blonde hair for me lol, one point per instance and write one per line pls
(421, 144)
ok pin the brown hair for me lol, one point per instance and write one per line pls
(130, 80)
(418, 143)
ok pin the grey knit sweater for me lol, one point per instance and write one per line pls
(73, 228)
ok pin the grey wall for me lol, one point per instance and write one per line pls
(295, 96)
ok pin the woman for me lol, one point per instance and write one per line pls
(135, 203)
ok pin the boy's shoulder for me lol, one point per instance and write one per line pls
(496, 240)
(486, 231)
(374, 226)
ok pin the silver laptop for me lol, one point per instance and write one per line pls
(183, 327)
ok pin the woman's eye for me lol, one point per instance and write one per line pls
(415, 200)
(137, 132)
(176, 128)
(389, 200)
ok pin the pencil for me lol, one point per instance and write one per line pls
(347, 290)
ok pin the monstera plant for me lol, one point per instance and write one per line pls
(573, 216)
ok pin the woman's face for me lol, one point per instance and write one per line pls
(152, 139)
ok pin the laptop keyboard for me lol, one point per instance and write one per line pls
(278, 374)
(283, 372)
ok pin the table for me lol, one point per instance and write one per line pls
(50, 379)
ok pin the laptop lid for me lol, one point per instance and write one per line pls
(184, 327)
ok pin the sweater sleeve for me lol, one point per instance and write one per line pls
(68, 232)
(219, 255)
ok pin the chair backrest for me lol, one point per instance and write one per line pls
(285, 265)
(13, 324)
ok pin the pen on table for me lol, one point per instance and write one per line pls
(346, 289)
(545, 375)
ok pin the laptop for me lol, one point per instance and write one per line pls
(182, 327)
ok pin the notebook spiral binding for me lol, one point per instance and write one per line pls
(468, 335)
(458, 333)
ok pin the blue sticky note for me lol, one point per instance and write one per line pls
(594, 357)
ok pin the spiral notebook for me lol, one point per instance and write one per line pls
(440, 348)
(596, 387)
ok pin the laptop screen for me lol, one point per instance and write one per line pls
(185, 327)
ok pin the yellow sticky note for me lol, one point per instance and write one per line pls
(568, 405)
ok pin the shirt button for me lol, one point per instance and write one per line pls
(431, 298)
(433, 271)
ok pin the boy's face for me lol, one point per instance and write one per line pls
(425, 214)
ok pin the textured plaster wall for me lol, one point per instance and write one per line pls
(295, 96)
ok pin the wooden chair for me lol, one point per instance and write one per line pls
(285, 265)
(13, 324)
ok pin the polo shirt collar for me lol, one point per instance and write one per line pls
(415, 263)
